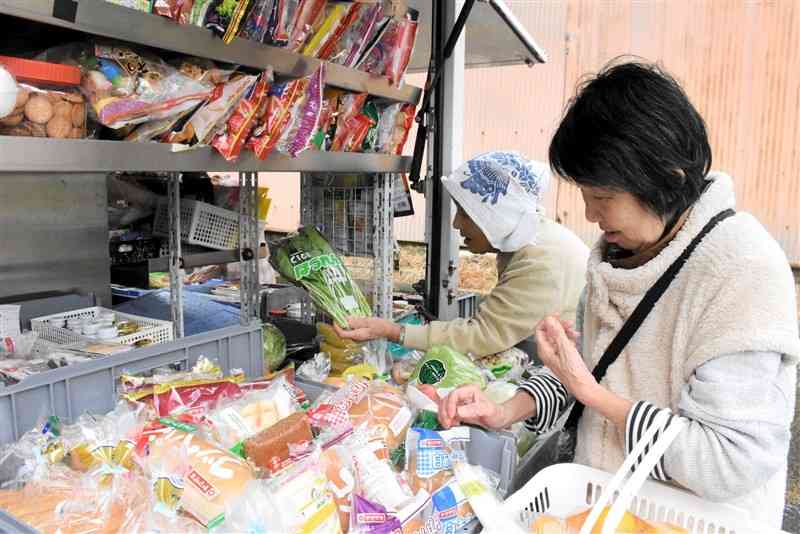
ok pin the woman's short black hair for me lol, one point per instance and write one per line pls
(632, 128)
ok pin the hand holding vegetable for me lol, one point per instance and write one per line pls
(369, 328)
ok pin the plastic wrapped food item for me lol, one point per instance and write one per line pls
(127, 87)
(446, 369)
(257, 23)
(370, 142)
(371, 518)
(393, 127)
(307, 260)
(350, 46)
(337, 463)
(176, 10)
(274, 347)
(383, 413)
(213, 477)
(280, 24)
(507, 365)
(145, 6)
(337, 18)
(305, 114)
(48, 102)
(257, 410)
(342, 359)
(317, 369)
(308, 18)
(326, 127)
(375, 479)
(155, 129)
(254, 511)
(348, 126)
(231, 141)
(276, 447)
(211, 117)
(225, 16)
(630, 524)
(390, 55)
(271, 125)
(452, 508)
(430, 455)
(203, 369)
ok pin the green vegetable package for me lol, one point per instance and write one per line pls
(444, 368)
(308, 261)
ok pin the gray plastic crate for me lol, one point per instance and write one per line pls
(92, 386)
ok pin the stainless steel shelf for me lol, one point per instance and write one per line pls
(31, 154)
(200, 259)
(98, 17)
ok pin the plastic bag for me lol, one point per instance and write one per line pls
(206, 122)
(273, 122)
(257, 22)
(305, 113)
(274, 347)
(446, 369)
(254, 511)
(479, 486)
(376, 481)
(337, 18)
(452, 508)
(430, 455)
(507, 365)
(326, 127)
(280, 25)
(403, 369)
(337, 463)
(235, 421)
(280, 445)
(176, 10)
(308, 18)
(371, 518)
(349, 127)
(350, 46)
(225, 16)
(392, 52)
(393, 127)
(317, 369)
(230, 142)
(127, 87)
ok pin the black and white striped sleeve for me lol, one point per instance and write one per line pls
(640, 418)
(551, 398)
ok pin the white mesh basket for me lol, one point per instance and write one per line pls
(201, 224)
(155, 330)
(564, 489)
(9, 320)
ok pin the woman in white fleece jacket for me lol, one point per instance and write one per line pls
(718, 349)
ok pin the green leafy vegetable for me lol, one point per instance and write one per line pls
(308, 261)
(443, 367)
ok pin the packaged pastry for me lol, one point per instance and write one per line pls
(277, 447)
(238, 420)
(213, 475)
(430, 455)
(341, 480)
(383, 413)
(48, 102)
(452, 508)
(375, 478)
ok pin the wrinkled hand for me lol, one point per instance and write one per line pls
(367, 329)
(555, 344)
(468, 404)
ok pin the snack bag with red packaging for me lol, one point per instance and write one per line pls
(339, 16)
(390, 55)
(393, 128)
(304, 117)
(280, 24)
(351, 123)
(308, 18)
(323, 136)
(348, 49)
(177, 10)
(230, 142)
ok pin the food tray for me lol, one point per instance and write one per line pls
(201, 224)
(153, 329)
(563, 489)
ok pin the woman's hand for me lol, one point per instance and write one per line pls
(555, 344)
(369, 328)
(468, 404)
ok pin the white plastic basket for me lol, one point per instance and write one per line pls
(564, 489)
(9, 320)
(155, 330)
(201, 224)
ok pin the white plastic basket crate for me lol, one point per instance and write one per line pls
(9, 320)
(201, 224)
(155, 330)
(564, 489)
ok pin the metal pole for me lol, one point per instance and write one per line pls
(249, 247)
(383, 244)
(447, 155)
(175, 261)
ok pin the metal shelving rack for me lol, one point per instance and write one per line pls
(100, 18)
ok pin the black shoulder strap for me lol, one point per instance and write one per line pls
(642, 309)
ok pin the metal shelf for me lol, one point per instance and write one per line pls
(200, 259)
(98, 17)
(32, 154)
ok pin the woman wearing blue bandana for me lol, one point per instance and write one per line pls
(541, 265)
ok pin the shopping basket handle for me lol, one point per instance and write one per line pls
(618, 480)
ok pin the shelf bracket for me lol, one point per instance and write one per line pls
(249, 240)
(175, 260)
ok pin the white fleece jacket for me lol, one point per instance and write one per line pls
(734, 295)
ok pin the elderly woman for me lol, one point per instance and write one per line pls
(541, 264)
(718, 349)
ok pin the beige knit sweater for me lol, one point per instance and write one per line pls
(734, 295)
(533, 282)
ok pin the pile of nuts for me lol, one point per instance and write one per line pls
(46, 113)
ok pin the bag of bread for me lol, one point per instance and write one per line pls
(254, 511)
(376, 480)
(257, 410)
(383, 413)
(452, 508)
(430, 456)
(212, 476)
(279, 446)
(630, 524)
(337, 464)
